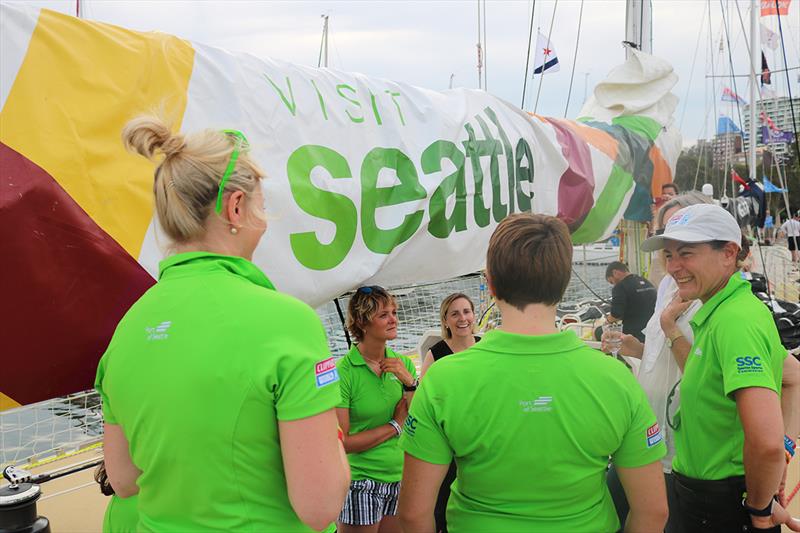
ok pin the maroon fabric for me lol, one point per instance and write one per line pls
(576, 186)
(65, 283)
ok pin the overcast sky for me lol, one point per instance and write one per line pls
(423, 43)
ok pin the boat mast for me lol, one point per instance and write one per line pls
(754, 66)
(323, 46)
(638, 32)
(639, 25)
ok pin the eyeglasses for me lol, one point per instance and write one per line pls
(674, 424)
(240, 143)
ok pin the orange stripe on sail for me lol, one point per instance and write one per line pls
(661, 171)
(595, 137)
(79, 83)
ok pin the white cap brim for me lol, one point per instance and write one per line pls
(658, 242)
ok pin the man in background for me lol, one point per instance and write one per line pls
(633, 299)
(791, 228)
(669, 191)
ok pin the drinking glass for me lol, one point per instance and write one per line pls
(612, 335)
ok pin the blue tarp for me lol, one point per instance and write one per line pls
(770, 187)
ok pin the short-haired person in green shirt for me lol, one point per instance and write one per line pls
(729, 458)
(376, 385)
(218, 392)
(531, 414)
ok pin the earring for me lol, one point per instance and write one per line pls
(234, 231)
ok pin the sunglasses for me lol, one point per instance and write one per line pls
(370, 289)
(660, 231)
(240, 143)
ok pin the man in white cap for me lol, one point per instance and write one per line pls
(730, 455)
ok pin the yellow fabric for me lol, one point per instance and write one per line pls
(76, 69)
(7, 402)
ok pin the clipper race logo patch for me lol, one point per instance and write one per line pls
(748, 365)
(325, 372)
(654, 435)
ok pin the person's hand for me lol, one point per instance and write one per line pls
(631, 346)
(400, 412)
(779, 516)
(395, 366)
(671, 313)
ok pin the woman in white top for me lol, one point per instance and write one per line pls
(659, 373)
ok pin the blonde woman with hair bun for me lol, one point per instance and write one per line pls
(218, 391)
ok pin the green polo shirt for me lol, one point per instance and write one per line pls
(121, 515)
(198, 374)
(736, 345)
(531, 422)
(371, 401)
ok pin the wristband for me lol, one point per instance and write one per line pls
(789, 444)
(766, 511)
(412, 387)
(340, 434)
(396, 426)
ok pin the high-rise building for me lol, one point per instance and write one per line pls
(779, 112)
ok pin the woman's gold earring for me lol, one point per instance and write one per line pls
(234, 231)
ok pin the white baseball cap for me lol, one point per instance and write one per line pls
(697, 223)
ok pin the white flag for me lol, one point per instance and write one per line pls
(769, 38)
(545, 58)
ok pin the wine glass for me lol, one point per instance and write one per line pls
(612, 335)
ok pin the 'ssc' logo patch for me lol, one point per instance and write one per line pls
(654, 435)
(325, 372)
(748, 365)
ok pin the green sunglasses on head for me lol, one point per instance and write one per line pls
(240, 143)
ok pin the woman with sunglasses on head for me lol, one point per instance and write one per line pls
(218, 392)
(457, 317)
(376, 385)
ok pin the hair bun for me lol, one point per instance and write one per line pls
(147, 135)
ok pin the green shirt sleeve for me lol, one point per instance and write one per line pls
(307, 381)
(745, 357)
(423, 436)
(643, 442)
(108, 415)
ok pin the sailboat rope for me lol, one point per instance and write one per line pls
(541, 76)
(527, 58)
(574, 60)
(788, 86)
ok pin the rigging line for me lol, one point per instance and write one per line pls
(691, 72)
(485, 53)
(748, 75)
(344, 324)
(736, 91)
(544, 59)
(574, 60)
(480, 50)
(528, 57)
(788, 84)
(713, 83)
(588, 287)
(702, 149)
